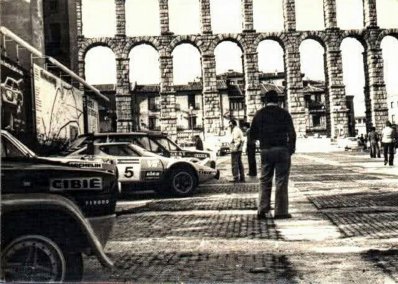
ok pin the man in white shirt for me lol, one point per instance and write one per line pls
(388, 141)
(236, 146)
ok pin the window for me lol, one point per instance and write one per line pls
(118, 150)
(392, 104)
(152, 104)
(191, 101)
(236, 105)
(152, 123)
(393, 118)
(192, 122)
(316, 121)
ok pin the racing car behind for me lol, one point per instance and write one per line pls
(141, 169)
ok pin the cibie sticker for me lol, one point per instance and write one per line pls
(60, 184)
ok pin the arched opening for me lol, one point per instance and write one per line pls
(189, 100)
(386, 13)
(186, 64)
(226, 16)
(268, 15)
(314, 88)
(309, 15)
(354, 80)
(389, 46)
(271, 69)
(100, 66)
(349, 14)
(142, 17)
(230, 82)
(228, 57)
(99, 18)
(144, 65)
(184, 16)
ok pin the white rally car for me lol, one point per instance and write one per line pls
(141, 169)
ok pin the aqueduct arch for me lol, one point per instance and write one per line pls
(290, 40)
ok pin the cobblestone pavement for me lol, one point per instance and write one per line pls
(344, 229)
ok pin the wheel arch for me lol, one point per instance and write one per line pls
(44, 203)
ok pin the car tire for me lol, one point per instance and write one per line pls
(183, 182)
(41, 260)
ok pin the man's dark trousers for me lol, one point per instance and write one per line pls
(374, 149)
(237, 166)
(388, 153)
(275, 160)
(251, 158)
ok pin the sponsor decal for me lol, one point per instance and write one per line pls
(61, 184)
(128, 161)
(152, 175)
(201, 155)
(97, 202)
(85, 165)
(205, 172)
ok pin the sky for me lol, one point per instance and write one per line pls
(142, 19)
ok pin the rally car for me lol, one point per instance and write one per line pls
(51, 213)
(152, 141)
(141, 169)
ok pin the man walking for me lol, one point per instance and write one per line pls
(388, 141)
(374, 143)
(236, 146)
(273, 126)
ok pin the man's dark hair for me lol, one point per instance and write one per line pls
(271, 97)
(388, 123)
(233, 121)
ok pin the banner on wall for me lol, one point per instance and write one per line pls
(59, 107)
(14, 101)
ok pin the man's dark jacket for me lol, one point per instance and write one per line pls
(273, 127)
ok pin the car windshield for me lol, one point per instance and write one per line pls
(166, 143)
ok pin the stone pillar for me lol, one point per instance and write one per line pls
(168, 118)
(289, 15)
(247, 15)
(294, 88)
(336, 107)
(329, 12)
(120, 18)
(375, 90)
(252, 87)
(124, 102)
(211, 98)
(205, 17)
(164, 17)
(370, 14)
(79, 21)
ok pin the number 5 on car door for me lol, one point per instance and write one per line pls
(129, 172)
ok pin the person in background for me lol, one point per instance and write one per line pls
(251, 152)
(198, 142)
(273, 126)
(236, 146)
(374, 143)
(388, 141)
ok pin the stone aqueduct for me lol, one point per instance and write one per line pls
(248, 40)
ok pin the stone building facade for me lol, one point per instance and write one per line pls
(248, 40)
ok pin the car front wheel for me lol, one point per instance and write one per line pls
(183, 182)
(36, 258)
